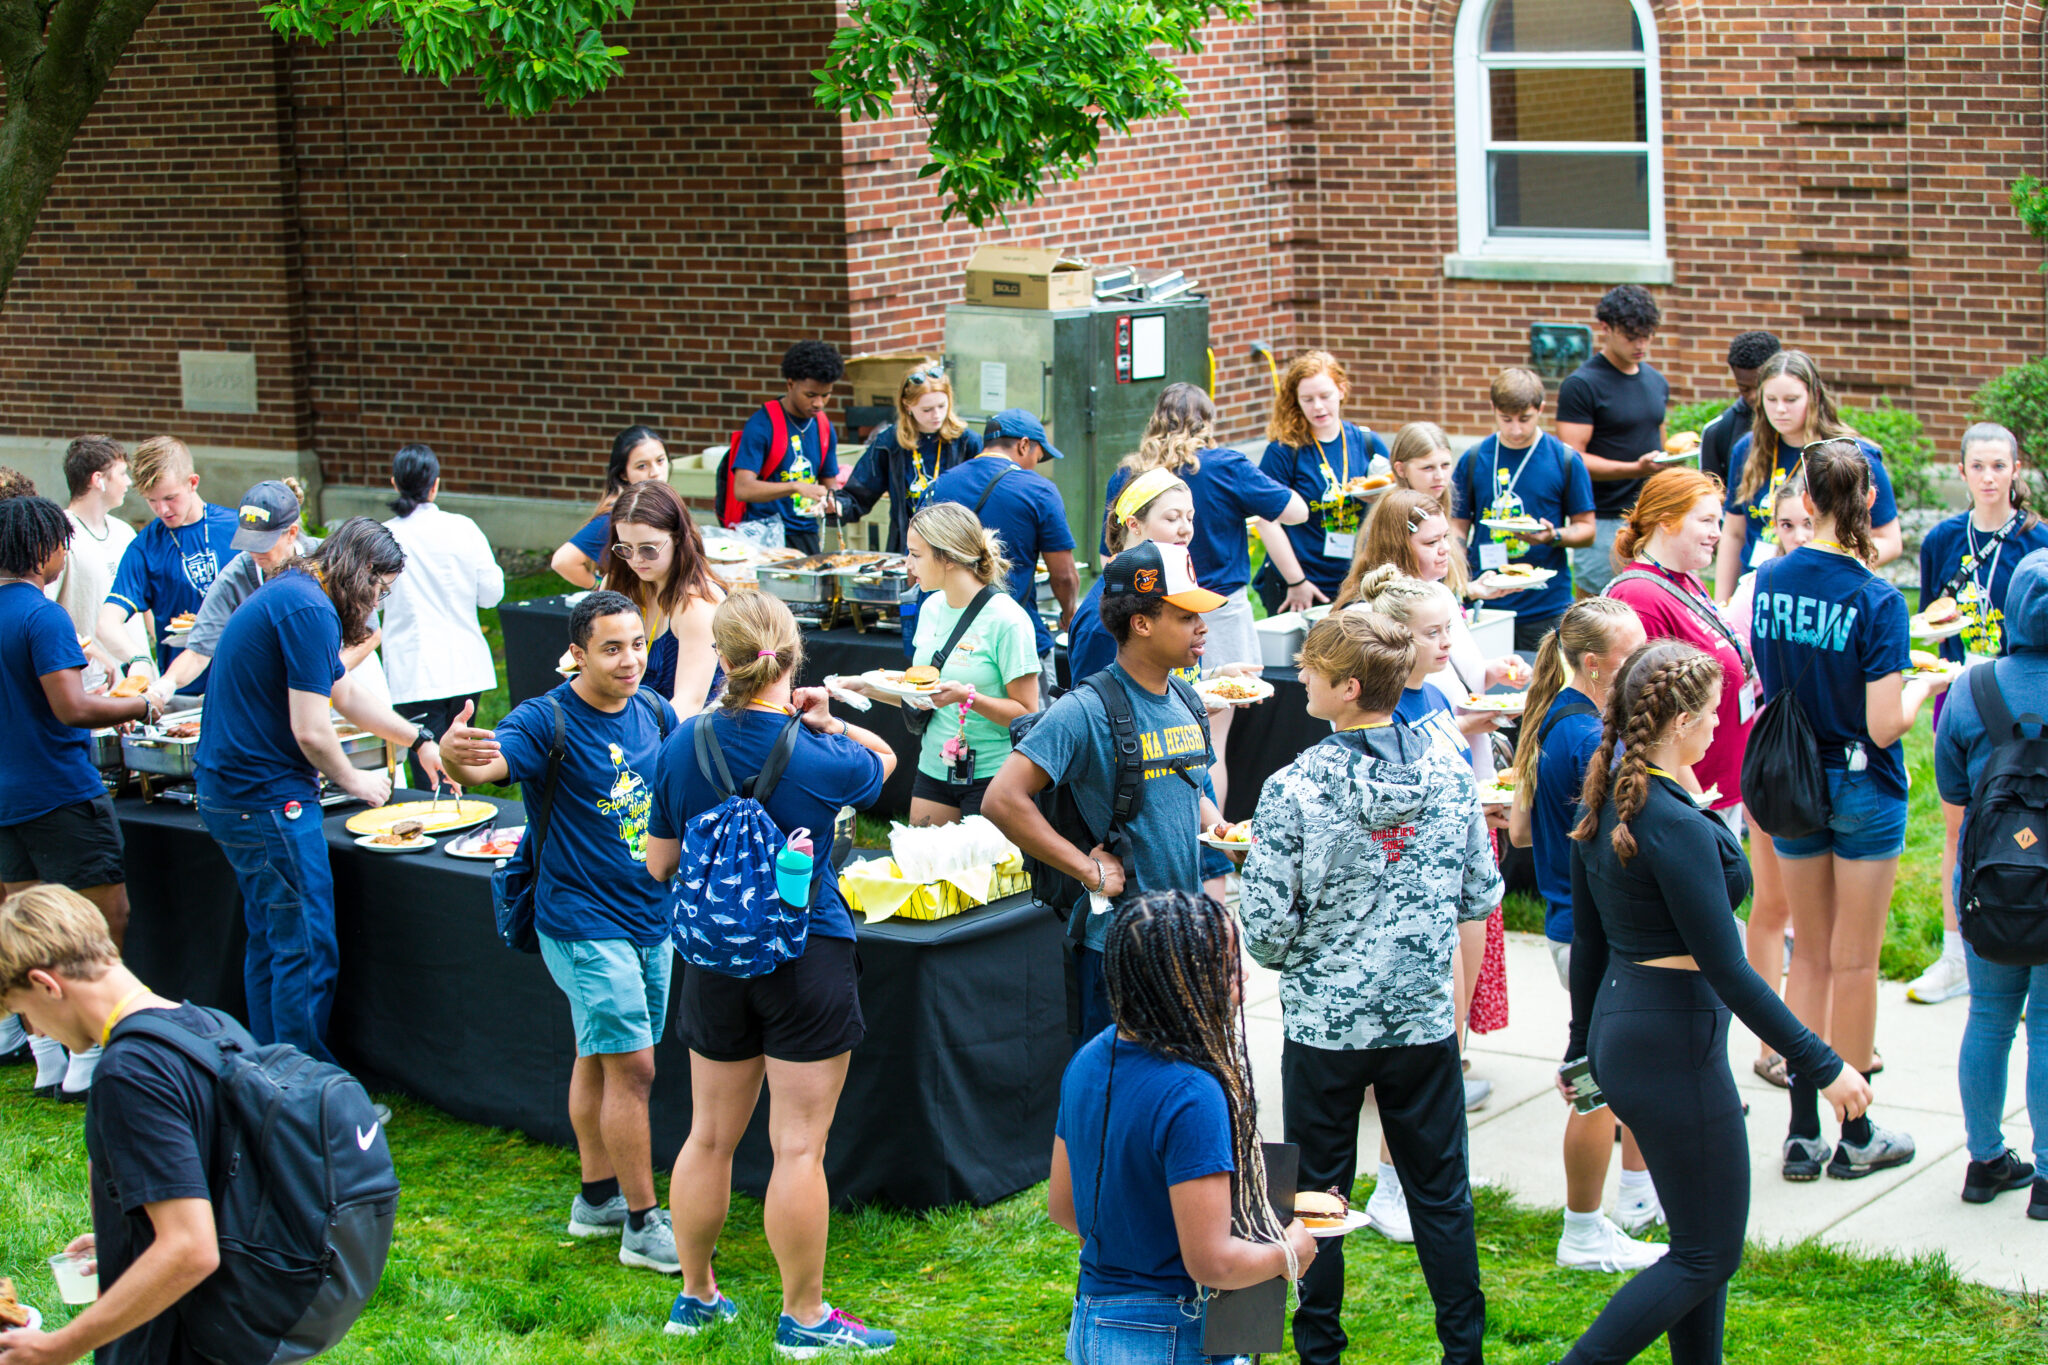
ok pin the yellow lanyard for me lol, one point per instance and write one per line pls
(1366, 725)
(1658, 772)
(1830, 545)
(1344, 447)
(119, 1010)
(771, 710)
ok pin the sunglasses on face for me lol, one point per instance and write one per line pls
(646, 554)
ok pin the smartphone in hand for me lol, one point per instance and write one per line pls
(1577, 1076)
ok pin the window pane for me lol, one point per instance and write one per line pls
(1563, 26)
(1534, 105)
(1595, 193)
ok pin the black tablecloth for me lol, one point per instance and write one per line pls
(1265, 738)
(951, 1098)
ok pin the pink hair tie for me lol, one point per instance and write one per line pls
(766, 654)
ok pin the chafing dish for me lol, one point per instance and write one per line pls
(147, 749)
(887, 584)
(106, 751)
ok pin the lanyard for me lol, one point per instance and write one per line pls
(1528, 458)
(1997, 547)
(120, 1010)
(1344, 445)
(1366, 725)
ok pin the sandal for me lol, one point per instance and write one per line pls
(1876, 1061)
(1772, 1068)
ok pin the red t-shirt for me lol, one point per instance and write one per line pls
(1664, 617)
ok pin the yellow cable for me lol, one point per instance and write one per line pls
(1212, 372)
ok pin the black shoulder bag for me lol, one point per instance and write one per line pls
(915, 720)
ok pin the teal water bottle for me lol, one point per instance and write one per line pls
(793, 870)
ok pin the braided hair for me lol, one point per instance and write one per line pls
(31, 530)
(1661, 681)
(1169, 966)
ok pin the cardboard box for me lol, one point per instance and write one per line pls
(1028, 277)
(876, 379)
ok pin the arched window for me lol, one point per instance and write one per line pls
(1560, 171)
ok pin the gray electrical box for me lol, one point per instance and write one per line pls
(1093, 376)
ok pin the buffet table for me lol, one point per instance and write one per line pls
(951, 1098)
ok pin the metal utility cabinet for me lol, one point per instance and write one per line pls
(1093, 376)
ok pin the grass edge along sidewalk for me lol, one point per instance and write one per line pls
(482, 1271)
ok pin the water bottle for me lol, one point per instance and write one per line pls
(793, 870)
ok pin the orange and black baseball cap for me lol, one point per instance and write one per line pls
(1153, 570)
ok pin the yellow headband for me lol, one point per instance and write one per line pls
(1144, 489)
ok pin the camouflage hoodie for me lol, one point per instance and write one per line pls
(1366, 851)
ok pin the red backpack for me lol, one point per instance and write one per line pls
(730, 508)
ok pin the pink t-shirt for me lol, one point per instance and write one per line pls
(1664, 617)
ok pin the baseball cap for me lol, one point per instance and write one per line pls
(268, 510)
(1162, 571)
(1019, 425)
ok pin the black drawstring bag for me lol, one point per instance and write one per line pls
(1784, 786)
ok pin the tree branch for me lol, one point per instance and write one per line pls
(21, 37)
(64, 44)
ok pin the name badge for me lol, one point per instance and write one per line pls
(1339, 545)
(1761, 551)
(1493, 555)
(1745, 700)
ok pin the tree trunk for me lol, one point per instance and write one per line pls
(57, 59)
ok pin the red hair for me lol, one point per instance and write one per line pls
(1664, 502)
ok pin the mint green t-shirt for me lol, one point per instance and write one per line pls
(999, 648)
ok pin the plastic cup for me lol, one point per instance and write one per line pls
(75, 1284)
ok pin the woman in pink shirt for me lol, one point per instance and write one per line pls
(1669, 536)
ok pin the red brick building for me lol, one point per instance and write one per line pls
(1409, 183)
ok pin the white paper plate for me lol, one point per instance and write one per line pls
(1502, 703)
(1947, 670)
(877, 679)
(1510, 528)
(1355, 1220)
(1207, 688)
(1536, 578)
(1213, 842)
(1707, 798)
(369, 841)
(1681, 458)
(464, 846)
(1922, 631)
(1490, 795)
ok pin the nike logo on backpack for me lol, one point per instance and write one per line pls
(364, 1137)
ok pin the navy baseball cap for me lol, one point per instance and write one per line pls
(1020, 425)
(268, 510)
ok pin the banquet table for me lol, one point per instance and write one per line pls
(950, 1098)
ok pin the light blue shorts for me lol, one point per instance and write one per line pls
(1865, 824)
(618, 990)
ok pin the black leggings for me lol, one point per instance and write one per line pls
(1659, 1047)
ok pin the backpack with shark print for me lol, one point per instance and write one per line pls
(729, 918)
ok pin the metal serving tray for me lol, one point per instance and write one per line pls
(805, 587)
(146, 751)
(884, 587)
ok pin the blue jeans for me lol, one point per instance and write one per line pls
(1997, 995)
(288, 900)
(1137, 1329)
(1865, 825)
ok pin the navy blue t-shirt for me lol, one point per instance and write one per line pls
(1167, 1123)
(1827, 608)
(1090, 646)
(285, 638)
(826, 772)
(1025, 513)
(1626, 412)
(1982, 595)
(1301, 469)
(1228, 490)
(1547, 480)
(1756, 512)
(166, 572)
(45, 764)
(1427, 710)
(1554, 811)
(805, 463)
(591, 538)
(593, 880)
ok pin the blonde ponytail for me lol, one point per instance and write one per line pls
(757, 641)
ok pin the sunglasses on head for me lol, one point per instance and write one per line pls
(927, 376)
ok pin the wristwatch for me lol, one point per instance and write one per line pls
(425, 736)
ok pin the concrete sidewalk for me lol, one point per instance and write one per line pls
(1517, 1138)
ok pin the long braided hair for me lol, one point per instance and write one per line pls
(1170, 966)
(1661, 681)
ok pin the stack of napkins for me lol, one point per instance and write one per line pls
(935, 871)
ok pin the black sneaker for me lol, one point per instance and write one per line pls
(1986, 1180)
(21, 1056)
(2037, 1207)
(1887, 1148)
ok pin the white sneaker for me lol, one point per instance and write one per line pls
(1605, 1247)
(1388, 1209)
(1638, 1212)
(1945, 980)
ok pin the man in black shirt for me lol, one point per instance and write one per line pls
(148, 1122)
(1746, 355)
(1611, 410)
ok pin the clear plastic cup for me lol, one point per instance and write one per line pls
(75, 1284)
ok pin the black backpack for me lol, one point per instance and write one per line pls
(304, 1196)
(1784, 786)
(2002, 908)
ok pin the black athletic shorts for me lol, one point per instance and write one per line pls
(803, 1011)
(965, 796)
(75, 846)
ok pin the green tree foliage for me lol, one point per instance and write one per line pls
(2030, 201)
(1908, 453)
(2018, 401)
(1013, 92)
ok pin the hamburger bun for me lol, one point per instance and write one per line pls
(132, 686)
(1941, 611)
(1321, 1208)
(1679, 442)
(1926, 659)
(920, 675)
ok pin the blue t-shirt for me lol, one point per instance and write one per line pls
(1546, 480)
(1228, 490)
(805, 463)
(1756, 512)
(593, 881)
(825, 773)
(1071, 744)
(1318, 473)
(1090, 646)
(1026, 514)
(45, 764)
(591, 538)
(1982, 595)
(1167, 1123)
(1819, 606)
(1554, 811)
(1426, 709)
(285, 638)
(167, 572)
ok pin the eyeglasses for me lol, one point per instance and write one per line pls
(646, 554)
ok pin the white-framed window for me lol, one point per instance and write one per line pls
(1559, 149)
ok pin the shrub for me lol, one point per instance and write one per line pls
(1908, 454)
(2018, 401)
(1694, 416)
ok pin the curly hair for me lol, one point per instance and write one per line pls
(1630, 310)
(32, 529)
(347, 565)
(1182, 426)
(817, 361)
(1287, 424)
(1751, 349)
(1660, 682)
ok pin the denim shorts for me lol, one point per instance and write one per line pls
(618, 990)
(1866, 824)
(1138, 1329)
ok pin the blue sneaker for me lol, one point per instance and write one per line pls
(838, 1332)
(691, 1316)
